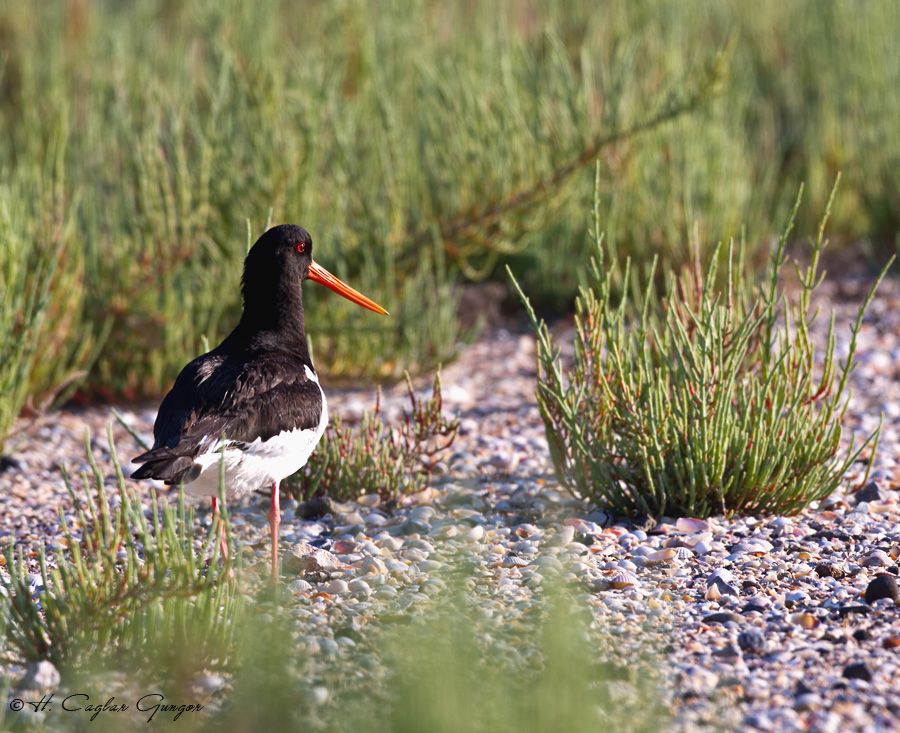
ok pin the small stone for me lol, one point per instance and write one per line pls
(305, 558)
(870, 492)
(40, 676)
(877, 559)
(857, 671)
(337, 586)
(752, 641)
(359, 587)
(827, 570)
(809, 701)
(718, 588)
(806, 620)
(722, 574)
(792, 598)
(722, 617)
(315, 508)
(883, 586)
(475, 534)
(892, 642)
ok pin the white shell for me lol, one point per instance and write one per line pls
(691, 525)
(622, 579)
(661, 556)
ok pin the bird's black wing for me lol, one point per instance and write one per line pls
(219, 396)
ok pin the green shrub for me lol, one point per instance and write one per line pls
(128, 576)
(41, 274)
(707, 398)
(375, 457)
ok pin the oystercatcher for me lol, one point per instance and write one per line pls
(254, 402)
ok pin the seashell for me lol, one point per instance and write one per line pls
(691, 525)
(343, 546)
(661, 556)
(753, 547)
(693, 541)
(526, 530)
(713, 593)
(684, 553)
(722, 574)
(881, 507)
(622, 579)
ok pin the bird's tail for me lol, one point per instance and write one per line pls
(163, 466)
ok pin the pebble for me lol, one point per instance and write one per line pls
(41, 675)
(788, 592)
(305, 558)
(337, 586)
(359, 587)
(857, 671)
(882, 586)
(752, 641)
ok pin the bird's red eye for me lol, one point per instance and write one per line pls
(301, 247)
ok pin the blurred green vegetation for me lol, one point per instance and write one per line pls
(141, 603)
(144, 145)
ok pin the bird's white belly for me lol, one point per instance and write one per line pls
(258, 464)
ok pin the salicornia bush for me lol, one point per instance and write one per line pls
(707, 397)
(375, 457)
(129, 575)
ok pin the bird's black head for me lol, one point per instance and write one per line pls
(276, 265)
(281, 253)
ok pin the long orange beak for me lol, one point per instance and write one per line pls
(319, 274)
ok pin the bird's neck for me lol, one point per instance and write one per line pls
(276, 313)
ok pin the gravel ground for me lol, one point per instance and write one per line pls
(767, 623)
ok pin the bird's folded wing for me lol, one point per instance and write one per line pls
(234, 402)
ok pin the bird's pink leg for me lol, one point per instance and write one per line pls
(223, 545)
(274, 526)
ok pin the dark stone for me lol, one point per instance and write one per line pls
(752, 640)
(857, 671)
(882, 586)
(753, 608)
(862, 635)
(8, 463)
(414, 526)
(722, 617)
(847, 610)
(315, 508)
(870, 492)
(827, 570)
(802, 688)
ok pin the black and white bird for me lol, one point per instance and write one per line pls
(253, 403)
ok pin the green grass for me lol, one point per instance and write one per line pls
(167, 135)
(709, 398)
(141, 603)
